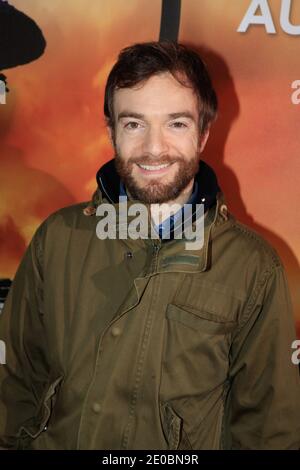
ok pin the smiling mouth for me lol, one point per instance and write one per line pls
(153, 168)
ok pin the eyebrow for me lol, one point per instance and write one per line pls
(131, 114)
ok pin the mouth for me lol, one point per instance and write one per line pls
(154, 169)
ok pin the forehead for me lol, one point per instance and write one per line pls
(160, 94)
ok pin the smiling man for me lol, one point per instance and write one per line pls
(139, 342)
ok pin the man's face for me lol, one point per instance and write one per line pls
(156, 138)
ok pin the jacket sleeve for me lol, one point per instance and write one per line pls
(24, 365)
(262, 409)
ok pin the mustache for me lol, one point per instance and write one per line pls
(146, 160)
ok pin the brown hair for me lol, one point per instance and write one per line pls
(139, 62)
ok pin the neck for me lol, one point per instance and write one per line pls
(161, 212)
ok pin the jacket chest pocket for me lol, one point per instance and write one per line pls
(200, 321)
(31, 430)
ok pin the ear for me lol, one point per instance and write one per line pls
(203, 140)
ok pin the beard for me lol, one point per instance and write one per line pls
(156, 191)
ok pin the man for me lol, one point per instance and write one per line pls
(139, 342)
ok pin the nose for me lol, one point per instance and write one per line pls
(155, 143)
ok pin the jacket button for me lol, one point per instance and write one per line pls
(96, 407)
(116, 331)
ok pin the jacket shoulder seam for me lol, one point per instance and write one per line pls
(267, 248)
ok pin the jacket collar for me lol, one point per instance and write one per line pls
(217, 216)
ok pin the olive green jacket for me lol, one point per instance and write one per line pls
(143, 344)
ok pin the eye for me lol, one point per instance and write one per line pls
(179, 125)
(132, 125)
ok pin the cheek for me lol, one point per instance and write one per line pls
(124, 149)
(127, 146)
(188, 146)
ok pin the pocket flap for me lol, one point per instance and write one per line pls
(199, 320)
(39, 422)
(172, 424)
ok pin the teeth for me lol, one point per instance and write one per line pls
(154, 167)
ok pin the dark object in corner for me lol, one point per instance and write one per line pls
(21, 40)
